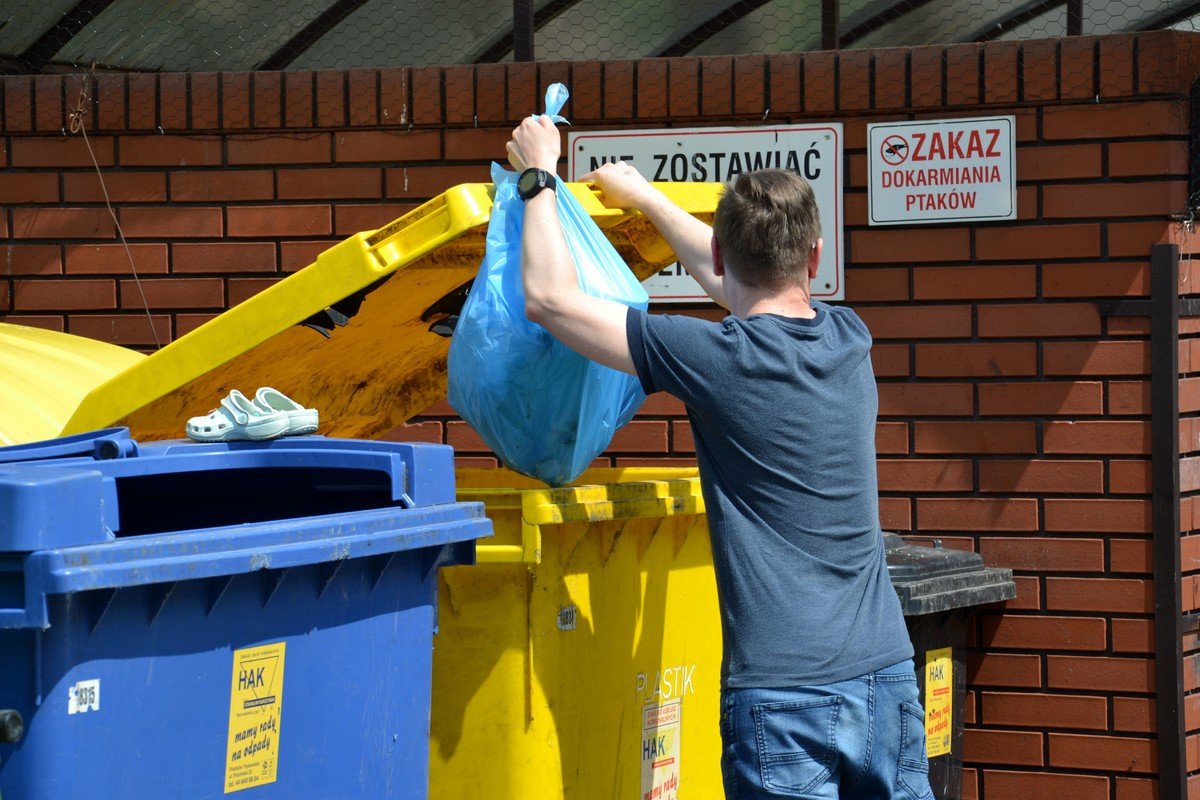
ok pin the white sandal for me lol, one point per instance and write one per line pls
(300, 419)
(237, 419)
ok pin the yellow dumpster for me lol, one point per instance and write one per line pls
(580, 658)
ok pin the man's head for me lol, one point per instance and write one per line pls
(767, 227)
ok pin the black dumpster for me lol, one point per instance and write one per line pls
(939, 589)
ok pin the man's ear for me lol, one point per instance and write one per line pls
(814, 259)
(717, 258)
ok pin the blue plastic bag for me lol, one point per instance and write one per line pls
(544, 409)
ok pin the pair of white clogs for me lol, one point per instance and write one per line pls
(269, 415)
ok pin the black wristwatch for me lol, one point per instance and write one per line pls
(533, 180)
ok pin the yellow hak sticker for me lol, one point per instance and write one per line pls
(939, 700)
(255, 705)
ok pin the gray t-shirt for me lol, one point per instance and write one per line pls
(783, 414)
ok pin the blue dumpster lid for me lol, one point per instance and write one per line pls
(100, 486)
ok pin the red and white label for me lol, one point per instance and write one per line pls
(955, 170)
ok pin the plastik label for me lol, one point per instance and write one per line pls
(666, 683)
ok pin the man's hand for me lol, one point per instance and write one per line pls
(535, 143)
(622, 186)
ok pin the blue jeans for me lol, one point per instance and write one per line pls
(861, 739)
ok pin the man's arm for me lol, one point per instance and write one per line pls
(591, 326)
(622, 186)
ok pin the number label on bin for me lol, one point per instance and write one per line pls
(84, 696)
(939, 701)
(255, 707)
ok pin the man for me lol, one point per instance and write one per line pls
(819, 697)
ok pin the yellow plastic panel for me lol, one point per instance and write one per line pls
(45, 374)
(545, 675)
(384, 365)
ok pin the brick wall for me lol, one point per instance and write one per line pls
(1014, 418)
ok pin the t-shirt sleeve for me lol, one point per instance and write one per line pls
(676, 354)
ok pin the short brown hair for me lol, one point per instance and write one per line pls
(767, 225)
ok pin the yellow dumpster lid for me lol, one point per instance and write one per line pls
(366, 357)
(45, 374)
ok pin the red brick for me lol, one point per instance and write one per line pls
(523, 96)
(60, 294)
(273, 221)
(975, 437)
(1108, 200)
(895, 513)
(393, 96)
(1029, 594)
(235, 100)
(172, 101)
(924, 399)
(925, 475)
(1095, 280)
(47, 322)
(1045, 633)
(1115, 121)
(1112, 437)
(310, 148)
(1044, 477)
(363, 89)
(891, 438)
(186, 323)
(1047, 710)
(350, 219)
(1039, 320)
(876, 284)
(1012, 784)
(60, 152)
(460, 94)
(1130, 397)
(298, 99)
(475, 143)
(1000, 75)
(157, 223)
(223, 257)
(683, 80)
(123, 329)
(242, 289)
(427, 182)
(1114, 595)
(786, 88)
(426, 96)
(1116, 65)
(587, 96)
(463, 438)
(1038, 242)
(641, 436)
(323, 184)
(1039, 59)
(883, 246)
(415, 432)
(1132, 636)
(49, 93)
(122, 187)
(205, 92)
(1059, 161)
(682, 440)
(20, 188)
(1041, 398)
(31, 259)
(890, 360)
(18, 103)
(925, 65)
(1077, 68)
(297, 255)
(891, 78)
(1100, 674)
(1165, 59)
(268, 99)
(976, 360)
(854, 80)
(1041, 554)
(330, 98)
(976, 514)
(112, 259)
(917, 322)
(1143, 789)
(209, 186)
(1113, 516)
(962, 74)
(750, 78)
(1130, 555)
(1108, 753)
(820, 80)
(1136, 238)
(174, 293)
(170, 151)
(716, 85)
(1002, 747)
(1158, 159)
(387, 147)
(62, 223)
(974, 282)
(652, 81)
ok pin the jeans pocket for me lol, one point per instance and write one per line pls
(797, 743)
(912, 772)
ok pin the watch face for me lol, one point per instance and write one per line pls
(528, 181)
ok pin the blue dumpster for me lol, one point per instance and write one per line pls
(185, 620)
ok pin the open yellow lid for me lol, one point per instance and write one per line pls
(366, 357)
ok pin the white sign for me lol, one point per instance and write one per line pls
(83, 697)
(721, 154)
(952, 170)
